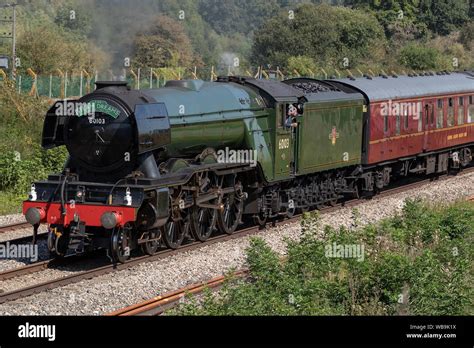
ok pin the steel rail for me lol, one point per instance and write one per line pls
(74, 278)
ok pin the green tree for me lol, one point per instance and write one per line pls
(303, 65)
(444, 16)
(418, 57)
(467, 35)
(47, 48)
(75, 18)
(330, 35)
(241, 16)
(163, 43)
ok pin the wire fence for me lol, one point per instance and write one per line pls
(76, 84)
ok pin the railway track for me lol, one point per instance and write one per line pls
(102, 270)
(160, 304)
(14, 227)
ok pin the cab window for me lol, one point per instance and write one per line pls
(281, 115)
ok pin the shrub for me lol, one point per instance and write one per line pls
(417, 57)
(418, 262)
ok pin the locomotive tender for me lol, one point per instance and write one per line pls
(145, 167)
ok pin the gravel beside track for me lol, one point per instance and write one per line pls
(11, 219)
(116, 290)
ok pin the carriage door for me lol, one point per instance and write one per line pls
(428, 123)
(284, 143)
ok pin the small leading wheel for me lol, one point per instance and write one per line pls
(61, 242)
(51, 241)
(120, 248)
(152, 246)
(203, 222)
(230, 216)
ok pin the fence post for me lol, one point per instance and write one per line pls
(325, 73)
(280, 73)
(138, 78)
(61, 87)
(65, 85)
(258, 73)
(19, 84)
(34, 89)
(88, 79)
(213, 74)
(134, 77)
(151, 78)
(80, 85)
(50, 85)
(157, 78)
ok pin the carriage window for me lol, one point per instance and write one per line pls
(450, 112)
(420, 116)
(440, 116)
(461, 110)
(470, 110)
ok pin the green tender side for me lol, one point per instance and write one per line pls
(330, 135)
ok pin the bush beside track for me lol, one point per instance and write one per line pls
(417, 263)
(21, 158)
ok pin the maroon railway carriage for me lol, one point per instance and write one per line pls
(417, 116)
